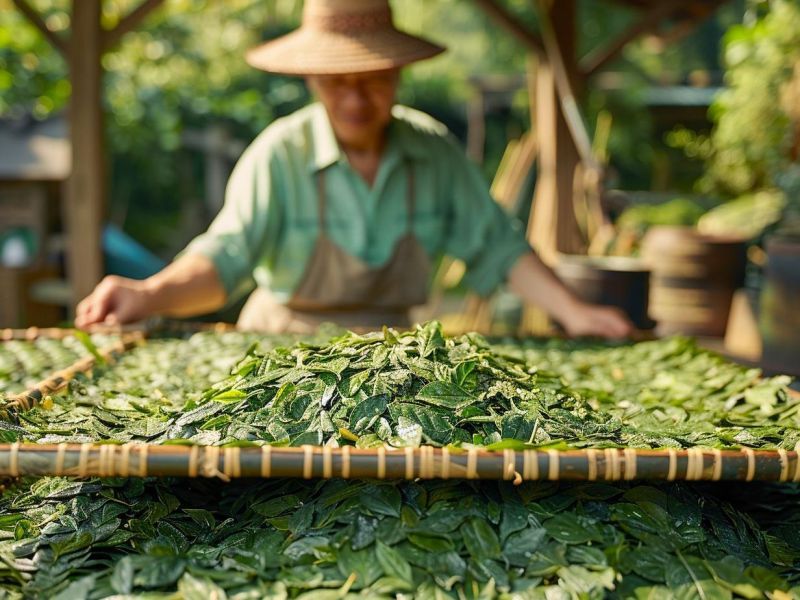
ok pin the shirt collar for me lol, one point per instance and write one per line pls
(327, 151)
(326, 148)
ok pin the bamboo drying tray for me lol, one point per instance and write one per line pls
(151, 460)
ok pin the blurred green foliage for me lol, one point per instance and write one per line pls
(676, 212)
(753, 143)
(32, 74)
(746, 217)
(183, 68)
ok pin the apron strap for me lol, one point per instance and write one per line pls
(411, 197)
(321, 201)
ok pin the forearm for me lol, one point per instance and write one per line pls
(534, 282)
(187, 287)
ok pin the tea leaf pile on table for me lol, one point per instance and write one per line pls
(348, 539)
(420, 387)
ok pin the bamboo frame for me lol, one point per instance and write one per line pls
(33, 333)
(145, 329)
(313, 462)
(58, 380)
(310, 462)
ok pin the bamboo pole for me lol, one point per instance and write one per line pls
(146, 329)
(313, 462)
(34, 333)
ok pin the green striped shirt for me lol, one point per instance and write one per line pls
(268, 225)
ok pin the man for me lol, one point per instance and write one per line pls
(337, 210)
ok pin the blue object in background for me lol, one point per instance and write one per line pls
(126, 257)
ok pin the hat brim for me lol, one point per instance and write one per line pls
(309, 52)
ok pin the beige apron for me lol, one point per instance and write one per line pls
(340, 288)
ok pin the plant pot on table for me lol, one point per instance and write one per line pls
(618, 281)
(694, 277)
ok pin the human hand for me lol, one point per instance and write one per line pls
(115, 300)
(593, 319)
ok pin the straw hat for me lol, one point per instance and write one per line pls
(342, 36)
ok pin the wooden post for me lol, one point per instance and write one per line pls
(553, 226)
(85, 189)
(476, 130)
(86, 185)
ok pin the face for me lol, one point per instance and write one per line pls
(359, 105)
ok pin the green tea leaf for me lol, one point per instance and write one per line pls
(445, 394)
(383, 500)
(229, 396)
(480, 539)
(392, 563)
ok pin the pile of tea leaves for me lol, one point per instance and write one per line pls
(387, 387)
(420, 387)
(674, 386)
(197, 539)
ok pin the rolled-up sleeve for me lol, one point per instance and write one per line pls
(480, 233)
(246, 228)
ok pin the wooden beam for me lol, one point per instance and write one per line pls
(36, 19)
(565, 75)
(476, 126)
(128, 23)
(85, 202)
(686, 23)
(507, 20)
(599, 57)
(553, 226)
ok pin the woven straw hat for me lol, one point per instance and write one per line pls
(339, 37)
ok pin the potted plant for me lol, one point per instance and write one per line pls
(753, 153)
